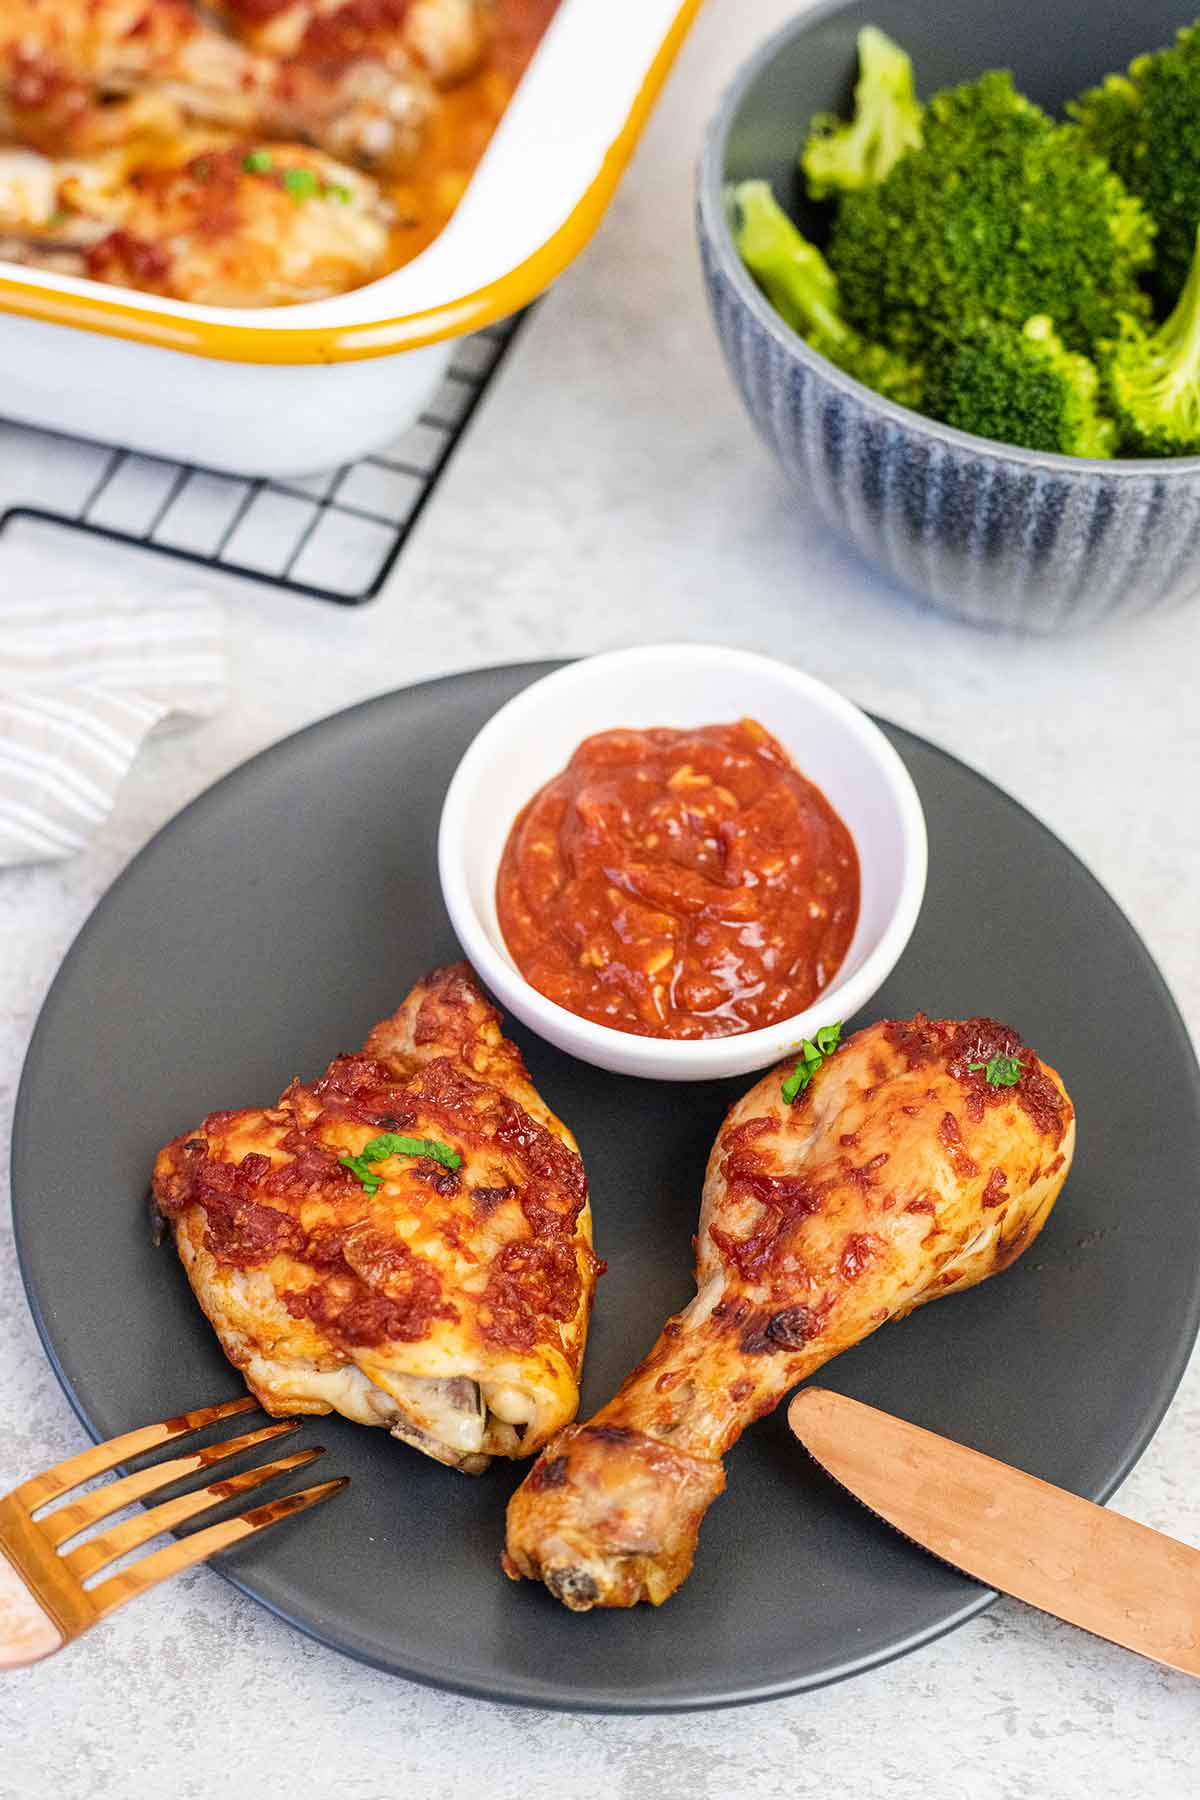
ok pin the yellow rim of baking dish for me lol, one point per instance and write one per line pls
(380, 337)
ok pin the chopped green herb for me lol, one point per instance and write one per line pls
(301, 184)
(258, 162)
(391, 1144)
(1001, 1071)
(813, 1052)
(357, 1166)
(334, 190)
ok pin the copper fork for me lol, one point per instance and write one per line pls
(44, 1603)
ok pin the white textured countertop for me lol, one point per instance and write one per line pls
(611, 491)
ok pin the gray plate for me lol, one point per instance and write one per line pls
(278, 917)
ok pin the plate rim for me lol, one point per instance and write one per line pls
(524, 1693)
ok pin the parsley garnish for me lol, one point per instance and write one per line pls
(390, 1144)
(813, 1052)
(1001, 1071)
(301, 184)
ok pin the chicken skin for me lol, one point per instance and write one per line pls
(438, 1282)
(924, 1156)
(250, 225)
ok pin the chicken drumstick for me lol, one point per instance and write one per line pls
(924, 1156)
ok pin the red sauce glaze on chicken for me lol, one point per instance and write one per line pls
(679, 884)
(256, 1210)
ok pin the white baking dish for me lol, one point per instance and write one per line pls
(289, 390)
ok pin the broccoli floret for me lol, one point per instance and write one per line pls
(1146, 125)
(1020, 387)
(999, 214)
(839, 158)
(791, 272)
(1109, 118)
(803, 289)
(1154, 377)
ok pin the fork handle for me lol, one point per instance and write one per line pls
(27, 1632)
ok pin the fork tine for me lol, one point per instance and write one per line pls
(161, 1564)
(110, 1544)
(66, 1475)
(69, 1520)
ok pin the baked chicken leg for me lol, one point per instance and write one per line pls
(905, 1171)
(440, 1282)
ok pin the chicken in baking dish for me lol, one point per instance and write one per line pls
(405, 1240)
(252, 225)
(445, 38)
(919, 1158)
(142, 94)
(82, 75)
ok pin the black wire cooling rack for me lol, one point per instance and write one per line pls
(333, 536)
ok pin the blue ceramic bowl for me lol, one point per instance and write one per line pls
(995, 534)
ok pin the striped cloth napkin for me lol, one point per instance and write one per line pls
(85, 677)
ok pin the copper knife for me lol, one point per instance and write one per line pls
(1113, 1577)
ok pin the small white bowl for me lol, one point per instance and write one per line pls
(834, 744)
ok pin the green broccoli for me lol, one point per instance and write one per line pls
(887, 121)
(999, 214)
(803, 289)
(1019, 387)
(1145, 124)
(1110, 123)
(1154, 377)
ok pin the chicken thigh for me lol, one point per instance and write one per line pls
(406, 1240)
(923, 1156)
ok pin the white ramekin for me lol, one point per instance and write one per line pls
(832, 742)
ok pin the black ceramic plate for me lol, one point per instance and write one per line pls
(268, 927)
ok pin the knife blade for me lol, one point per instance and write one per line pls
(1115, 1578)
